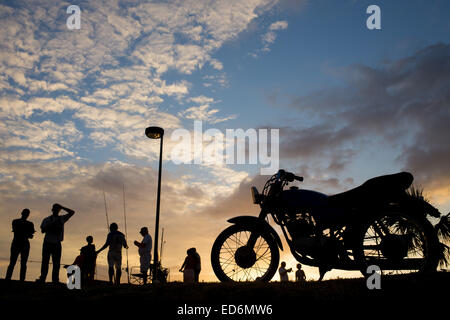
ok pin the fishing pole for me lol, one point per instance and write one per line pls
(161, 250)
(106, 211)
(107, 220)
(126, 234)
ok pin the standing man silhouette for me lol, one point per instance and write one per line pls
(145, 249)
(23, 230)
(89, 260)
(53, 227)
(115, 241)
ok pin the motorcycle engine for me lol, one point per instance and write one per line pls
(301, 226)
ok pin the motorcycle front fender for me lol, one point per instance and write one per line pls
(260, 224)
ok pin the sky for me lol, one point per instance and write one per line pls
(349, 103)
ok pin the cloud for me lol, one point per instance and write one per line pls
(201, 100)
(239, 202)
(216, 64)
(203, 111)
(24, 141)
(269, 37)
(278, 25)
(110, 74)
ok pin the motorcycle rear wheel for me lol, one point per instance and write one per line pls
(233, 260)
(397, 243)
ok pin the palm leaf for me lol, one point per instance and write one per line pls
(444, 254)
(421, 201)
(443, 228)
(417, 192)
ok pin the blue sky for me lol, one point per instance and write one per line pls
(74, 103)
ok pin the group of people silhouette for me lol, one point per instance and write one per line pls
(53, 228)
(299, 274)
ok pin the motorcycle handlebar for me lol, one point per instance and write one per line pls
(289, 176)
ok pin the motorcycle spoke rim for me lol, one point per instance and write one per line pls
(227, 257)
(399, 226)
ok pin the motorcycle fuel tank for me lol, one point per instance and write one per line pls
(302, 199)
(313, 202)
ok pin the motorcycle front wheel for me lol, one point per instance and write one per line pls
(397, 243)
(233, 260)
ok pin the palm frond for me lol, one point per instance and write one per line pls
(444, 254)
(420, 202)
(443, 228)
(418, 193)
(443, 231)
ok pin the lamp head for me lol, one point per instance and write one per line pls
(154, 132)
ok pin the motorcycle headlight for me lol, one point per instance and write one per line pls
(256, 196)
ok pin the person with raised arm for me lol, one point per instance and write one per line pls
(53, 227)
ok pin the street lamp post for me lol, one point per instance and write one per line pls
(156, 133)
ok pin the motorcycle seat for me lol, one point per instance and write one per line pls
(383, 188)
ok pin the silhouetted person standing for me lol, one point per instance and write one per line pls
(89, 260)
(53, 227)
(115, 241)
(23, 230)
(300, 274)
(284, 272)
(145, 249)
(188, 266)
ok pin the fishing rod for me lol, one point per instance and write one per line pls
(126, 234)
(161, 250)
(106, 211)
(107, 221)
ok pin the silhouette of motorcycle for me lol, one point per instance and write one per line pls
(377, 223)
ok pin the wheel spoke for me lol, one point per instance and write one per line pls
(396, 243)
(261, 262)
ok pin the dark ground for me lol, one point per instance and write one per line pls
(401, 295)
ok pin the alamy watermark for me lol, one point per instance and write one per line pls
(374, 280)
(73, 277)
(235, 146)
(374, 20)
(73, 22)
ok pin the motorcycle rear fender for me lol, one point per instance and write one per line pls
(259, 224)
